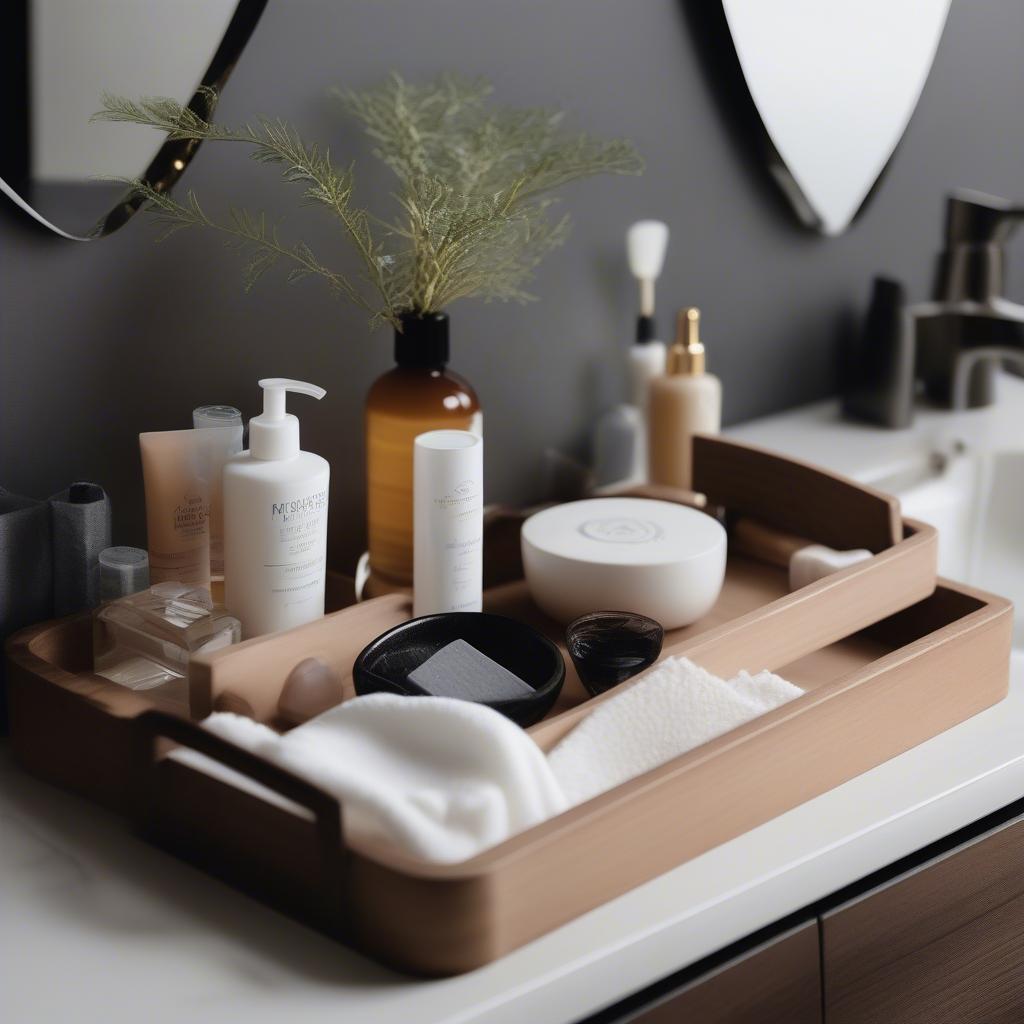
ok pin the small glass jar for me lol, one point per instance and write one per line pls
(145, 641)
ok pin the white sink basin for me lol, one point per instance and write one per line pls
(976, 501)
(962, 472)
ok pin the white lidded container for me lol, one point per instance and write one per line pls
(448, 522)
(654, 558)
(275, 521)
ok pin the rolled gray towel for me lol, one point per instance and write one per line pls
(81, 530)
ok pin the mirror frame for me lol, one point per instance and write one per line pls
(173, 157)
(722, 71)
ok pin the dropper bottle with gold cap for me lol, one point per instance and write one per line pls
(686, 401)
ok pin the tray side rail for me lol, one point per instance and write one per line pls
(794, 496)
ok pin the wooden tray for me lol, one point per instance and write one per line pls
(872, 696)
(869, 698)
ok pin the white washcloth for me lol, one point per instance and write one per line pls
(673, 708)
(438, 778)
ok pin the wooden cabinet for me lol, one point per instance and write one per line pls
(940, 944)
(936, 938)
(777, 982)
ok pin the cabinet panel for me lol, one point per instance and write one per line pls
(943, 943)
(775, 983)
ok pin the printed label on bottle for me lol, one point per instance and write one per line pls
(296, 561)
(191, 515)
(459, 524)
(189, 562)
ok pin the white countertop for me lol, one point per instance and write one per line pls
(96, 925)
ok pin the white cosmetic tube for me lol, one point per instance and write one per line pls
(448, 522)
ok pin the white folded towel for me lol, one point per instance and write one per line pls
(672, 709)
(439, 778)
(443, 779)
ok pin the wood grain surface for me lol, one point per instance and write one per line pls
(943, 944)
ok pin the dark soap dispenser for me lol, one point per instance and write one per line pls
(877, 381)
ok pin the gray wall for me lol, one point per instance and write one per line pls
(104, 340)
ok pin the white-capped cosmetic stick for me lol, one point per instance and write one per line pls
(646, 242)
(448, 522)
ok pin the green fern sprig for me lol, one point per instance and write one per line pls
(474, 211)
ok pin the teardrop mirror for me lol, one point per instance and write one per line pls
(835, 84)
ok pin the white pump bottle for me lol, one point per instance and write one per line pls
(275, 521)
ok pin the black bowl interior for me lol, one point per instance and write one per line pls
(384, 665)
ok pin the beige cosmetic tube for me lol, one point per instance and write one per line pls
(177, 506)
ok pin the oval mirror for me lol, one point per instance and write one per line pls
(60, 56)
(835, 84)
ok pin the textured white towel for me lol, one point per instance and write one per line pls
(673, 708)
(438, 778)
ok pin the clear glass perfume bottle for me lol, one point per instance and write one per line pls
(144, 641)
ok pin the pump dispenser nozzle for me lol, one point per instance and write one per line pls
(275, 433)
(686, 356)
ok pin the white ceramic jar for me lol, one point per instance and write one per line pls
(656, 558)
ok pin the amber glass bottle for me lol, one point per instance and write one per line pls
(419, 394)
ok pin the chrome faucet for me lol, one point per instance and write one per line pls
(970, 327)
(966, 362)
(952, 344)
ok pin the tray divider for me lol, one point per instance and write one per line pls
(217, 681)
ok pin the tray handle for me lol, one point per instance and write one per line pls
(326, 809)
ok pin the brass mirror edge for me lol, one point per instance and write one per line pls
(174, 156)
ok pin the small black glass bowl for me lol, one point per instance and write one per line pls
(384, 665)
(608, 648)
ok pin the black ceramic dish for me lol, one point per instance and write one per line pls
(384, 665)
(608, 648)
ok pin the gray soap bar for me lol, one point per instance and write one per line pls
(460, 670)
